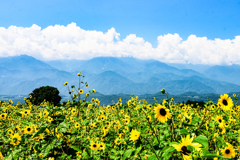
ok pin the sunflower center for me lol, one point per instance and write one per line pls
(29, 129)
(94, 145)
(185, 151)
(225, 102)
(220, 121)
(163, 112)
(227, 151)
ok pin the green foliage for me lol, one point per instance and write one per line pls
(45, 93)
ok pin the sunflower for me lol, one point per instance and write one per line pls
(3, 116)
(27, 112)
(149, 118)
(219, 119)
(65, 83)
(102, 118)
(10, 132)
(225, 102)
(73, 111)
(16, 128)
(28, 130)
(134, 135)
(92, 126)
(92, 100)
(182, 147)
(80, 91)
(87, 94)
(45, 113)
(229, 151)
(118, 141)
(126, 121)
(106, 128)
(162, 113)
(97, 101)
(102, 146)
(94, 146)
(77, 125)
(15, 139)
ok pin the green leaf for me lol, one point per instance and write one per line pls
(39, 132)
(138, 150)
(127, 154)
(184, 131)
(14, 154)
(196, 120)
(76, 148)
(167, 150)
(202, 140)
(152, 157)
(85, 155)
(210, 155)
(190, 148)
(49, 147)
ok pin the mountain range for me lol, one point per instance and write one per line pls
(19, 75)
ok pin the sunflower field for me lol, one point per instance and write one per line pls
(82, 129)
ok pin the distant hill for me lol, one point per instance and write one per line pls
(20, 75)
(229, 74)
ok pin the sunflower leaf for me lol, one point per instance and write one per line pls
(210, 155)
(76, 148)
(167, 150)
(196, 120)
(138, 150)
(184, 131)
(190, 148)
(39, 132)
(127, 154)
(152, 157)
(202, 140)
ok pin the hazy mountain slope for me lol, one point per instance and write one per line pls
(224, 73)
(23, 62)
(108, 75)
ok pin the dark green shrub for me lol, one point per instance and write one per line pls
(48, 93)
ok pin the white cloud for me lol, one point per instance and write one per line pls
(72, 42)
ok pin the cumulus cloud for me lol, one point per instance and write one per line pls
(72, 42)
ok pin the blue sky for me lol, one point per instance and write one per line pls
(146, 19)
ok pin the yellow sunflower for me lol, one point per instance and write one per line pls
(219, 119)
(134, 135)
(3, 116)
(162, 113)
(182, 147)
(118, 141)
(102, 146)
(15, 139)
(28, 130)
(77, 125)
(94, 146)
(149, 118)
(229, 151)
(80, 91)
(225, 102)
